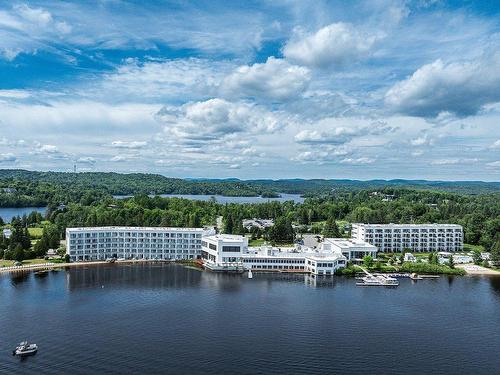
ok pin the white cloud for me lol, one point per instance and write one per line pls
(494, 164)
(334, 45)
(357, 161)
(47, 149)
(461, 88)
(214, 119)
(454, 161)
(422, 141)
(495, 145)
(129, 144)
(274, 79)
(86, 160)
(336, 136)
(122, 158)
(7, 158)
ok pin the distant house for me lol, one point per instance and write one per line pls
(9, 190)
(257, 223)
(7, 233)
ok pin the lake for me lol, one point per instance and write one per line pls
(223, 199)
(8, 213)
(160, 318)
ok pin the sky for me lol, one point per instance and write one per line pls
(376, 89)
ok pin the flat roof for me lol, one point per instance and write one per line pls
(141, 229)
(408, 225)
(225, 237)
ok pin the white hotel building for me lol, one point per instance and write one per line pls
(416, 237)
(231, 253)
(100, 243)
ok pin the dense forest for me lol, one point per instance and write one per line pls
(20, 188)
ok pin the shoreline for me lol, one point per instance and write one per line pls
(48, 265)
(470, 269)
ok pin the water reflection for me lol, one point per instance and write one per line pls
(495, 284)
(134, 276)
(20, 277)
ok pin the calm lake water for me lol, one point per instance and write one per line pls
(8, 213)
(169, 319)
(222, 199)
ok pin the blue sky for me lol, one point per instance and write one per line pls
(251, 89)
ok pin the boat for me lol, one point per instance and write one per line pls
(371, 280)
(250, 275)
(24, 349)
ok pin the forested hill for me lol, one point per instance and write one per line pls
(134, 183)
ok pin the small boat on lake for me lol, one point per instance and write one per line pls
(250, 275)
(25, 349)
(380, 280)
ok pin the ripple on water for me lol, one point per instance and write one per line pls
(168, 318)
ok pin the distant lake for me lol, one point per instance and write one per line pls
(167, 319)
(223, 199)
(9, 212)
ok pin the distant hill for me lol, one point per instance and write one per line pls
(137, 183)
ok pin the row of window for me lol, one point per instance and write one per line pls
(134, 234)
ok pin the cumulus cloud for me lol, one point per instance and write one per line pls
(334, 134)
(214, 119)
(454, 161)
(321, 156)
(422, 141)
(460, 88)
(494, 164)
(129, 144)
(335, 45)
(357, 161)
(86, 160)
(7, 158)
(495, 145)
(274, 79)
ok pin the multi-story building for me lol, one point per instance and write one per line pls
(100, 243)
(231, 253)
(416, 237)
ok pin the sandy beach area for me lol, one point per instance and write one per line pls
(472, 269)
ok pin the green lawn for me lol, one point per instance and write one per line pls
(255, 243)
(35, 232)
(468, 247)
(7, 263)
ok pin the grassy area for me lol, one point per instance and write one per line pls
(468, 247)
(35, 232)
(7, 263)
(432, 269)
(255, 243)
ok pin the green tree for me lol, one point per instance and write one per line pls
(282, 231)
(19, 253)
(331, 229)
(476, 256)
(368, 261)
(495, 252)
(451, 262)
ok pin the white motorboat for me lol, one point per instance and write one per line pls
(250, 275)
(24, 349)
(379, 280)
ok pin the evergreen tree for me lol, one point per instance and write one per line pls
(495, 252)
(331, 229)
